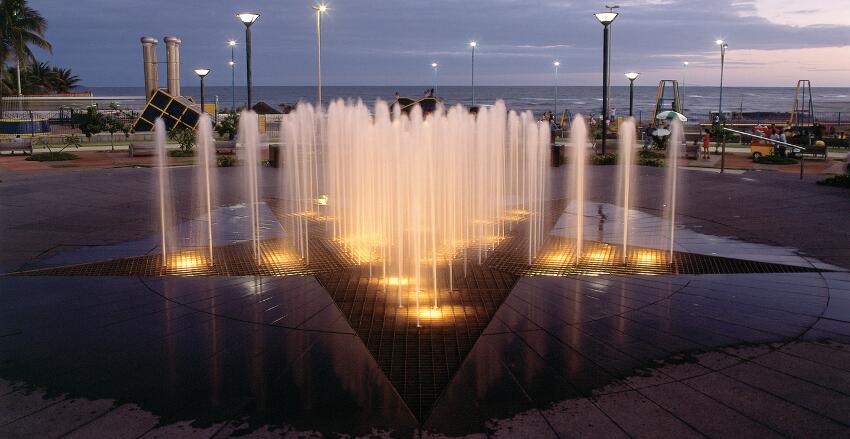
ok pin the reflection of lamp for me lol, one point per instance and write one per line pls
(606, 18)
(202, 72)
(248, 18)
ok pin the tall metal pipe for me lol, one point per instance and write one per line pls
(150, 66)
(172, 57)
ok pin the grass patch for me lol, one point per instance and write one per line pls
(775, 160)
(653, 162)
(181, 153)
(57, 156)
(836, 180)
(226, 161)
(648, 154)
(604, 159)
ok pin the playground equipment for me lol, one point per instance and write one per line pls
(803, 108)
(666, 98)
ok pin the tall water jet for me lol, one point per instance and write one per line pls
(674, 147)
(205, 164)
(249, 150)
(578, 145)
(300, 185)
(164, 189)
(625, 162)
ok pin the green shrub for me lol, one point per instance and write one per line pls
(185, 137)
(654, 162)
(837, 181)
(181, 153)
(53, 156)
(604, 159)
(226, 161)
(775, 160)
(227, 125)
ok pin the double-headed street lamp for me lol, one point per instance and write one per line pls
(473, 45)
(556, 64)
(606, 18)
(232, 44)
(320, 9)
(248, 18)
(435, 66)
(202, 72)
(632, 76)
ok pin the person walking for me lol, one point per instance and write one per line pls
(706, 142)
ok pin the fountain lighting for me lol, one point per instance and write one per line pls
(414, 194)
(187, 261)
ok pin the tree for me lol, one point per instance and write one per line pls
(64, 80)
(93, 122)
(21, 29)
(227, 125)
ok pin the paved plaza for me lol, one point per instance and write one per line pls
(754, 343)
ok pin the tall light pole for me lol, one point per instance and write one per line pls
(320, 9)
(202, 72)
(232, 44)
(684, 77)
(556, 64)
(248, 18)
(436, 66)
(720, 117)
(606, 18)
(632, 76)
(473, 45)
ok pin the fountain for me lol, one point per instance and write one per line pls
(413, 194)
(205, 166)
(164, 189)
(674, 147)
(625, 165)
(578, 140)
(250, 157)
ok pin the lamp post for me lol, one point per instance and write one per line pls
(473, 45)
(720, 117)
(684, 77)
(556, 64)
(436, 66)
(248, 18)
(202, 72)
(606, 18)
(320, 9)
(632, 76)
(232, 44)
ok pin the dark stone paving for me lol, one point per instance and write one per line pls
(715, 355)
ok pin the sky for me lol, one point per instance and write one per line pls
(393, 42)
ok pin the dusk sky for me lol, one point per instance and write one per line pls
(393, 42)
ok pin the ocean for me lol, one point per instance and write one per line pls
(699, 100)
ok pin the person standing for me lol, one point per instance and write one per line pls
(706, 142)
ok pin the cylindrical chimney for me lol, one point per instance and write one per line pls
(172, 57)
(149, 60)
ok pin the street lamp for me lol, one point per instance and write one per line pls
(473, 45)
(320, 9)
(248, 18)
(232, 63)
(632, 76)
(202, 72)
(684, 77)
(556, 64)
(723, 46)
(606, 18)
(436, 66)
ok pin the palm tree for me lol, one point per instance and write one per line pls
(63, 80)
(22, 28)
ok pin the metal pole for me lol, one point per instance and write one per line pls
(435, 80)
(202, 95)
(605, 37)
(319, 56)
(556, 94)
(232, 79)
(720, 105)
(631, 97)
(248, 62)
(684, 75)
(473, 76)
